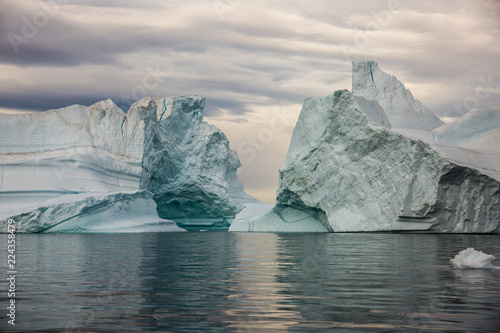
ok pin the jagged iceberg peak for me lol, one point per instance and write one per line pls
(186, 108)
(107, 105)
(402, 109)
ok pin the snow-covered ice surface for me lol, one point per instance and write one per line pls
(470, 258)
(162, 145)
(479, 129)
(371, 163)
(473, 141)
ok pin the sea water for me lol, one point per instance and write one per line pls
(237, 282)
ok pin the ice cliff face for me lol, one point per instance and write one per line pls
(75, 149)
(187, 163)
(161, 145)
(347, 168)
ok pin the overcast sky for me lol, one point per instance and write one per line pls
(254, 61)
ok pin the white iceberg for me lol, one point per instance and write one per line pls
(368, 162)
(470, 258)
(162, 145)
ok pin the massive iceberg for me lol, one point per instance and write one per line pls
(69, 160)
(375, 159)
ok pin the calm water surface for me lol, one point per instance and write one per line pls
(188, 282)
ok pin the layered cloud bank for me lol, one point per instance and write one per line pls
(375, 159)
(87, 157)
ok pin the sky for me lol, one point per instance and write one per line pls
(254, 61)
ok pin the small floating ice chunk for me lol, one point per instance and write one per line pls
(470, 258)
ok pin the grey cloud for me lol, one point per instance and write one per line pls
(257, 43)
(42, 101)
(119, 3)
(215, 105)
(65, 43)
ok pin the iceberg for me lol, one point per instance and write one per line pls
(161, 145)
(470, 258)
(368, 161)
(187, 163)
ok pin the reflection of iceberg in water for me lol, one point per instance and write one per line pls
(254, 283)
(470, 258)
(352, 282)
(259, 301)
(471, 276)
(79, 288)
(213, 280)
(110, 288)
